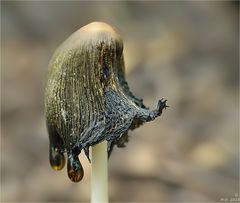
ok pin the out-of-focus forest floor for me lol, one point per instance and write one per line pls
(186, 52)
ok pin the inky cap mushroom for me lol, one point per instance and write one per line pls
(87, 99)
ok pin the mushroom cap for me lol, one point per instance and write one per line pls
(87, 98)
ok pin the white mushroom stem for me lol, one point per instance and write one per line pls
(99, 178)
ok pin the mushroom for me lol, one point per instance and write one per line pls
(87, 98)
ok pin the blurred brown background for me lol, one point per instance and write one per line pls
(186, 52)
